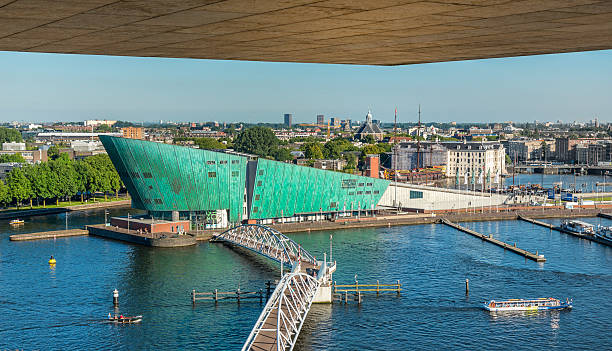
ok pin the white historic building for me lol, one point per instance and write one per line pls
(476, 162)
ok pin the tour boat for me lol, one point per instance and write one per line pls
(16, 221)
(545, 303)
(604, 233)
(577, 227)
(124, 319)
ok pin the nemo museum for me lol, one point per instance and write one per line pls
(217, 189)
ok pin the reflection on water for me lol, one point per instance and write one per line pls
(61, 307)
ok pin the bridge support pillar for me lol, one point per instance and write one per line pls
(324, 294)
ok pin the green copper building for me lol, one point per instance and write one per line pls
(209, 187)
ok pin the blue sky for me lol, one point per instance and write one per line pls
(53, 87)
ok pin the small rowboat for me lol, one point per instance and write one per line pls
(545, 303)
(16, 222)
(124, 319)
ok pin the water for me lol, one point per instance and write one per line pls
(45, 308)
(586, 183)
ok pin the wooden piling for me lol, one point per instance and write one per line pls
(467, 286)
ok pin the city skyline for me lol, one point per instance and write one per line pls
(52, 87)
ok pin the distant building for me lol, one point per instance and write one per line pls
(411, 156)
(335, 122)
(86, 146)
(369, 128)
(7, 167)
(320, 119)
(336, 165)
(31, 156)
(372, 163)
(288, 119)
(13, 146)
(99, 122)
(132, 133)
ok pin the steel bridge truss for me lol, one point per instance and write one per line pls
(267, 242)
(281, 320)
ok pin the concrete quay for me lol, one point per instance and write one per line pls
(49, 235)
(429, 218)
(147, 239)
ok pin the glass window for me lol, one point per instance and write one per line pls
(235, 173)
(256, 197)
(210, 162)
(212, 174)
(259, 183)
(234, 162)
(260, 172)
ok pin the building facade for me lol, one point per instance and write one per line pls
(288, 119)
(132, 133)
(413, 155)
(476, 161)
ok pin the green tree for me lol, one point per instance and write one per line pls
(12, 158)
(67, 178)
(282, 154)
(334, 148)
(208, 143)
(19, 186)
(5, 197)
(40, 181)
(53, 152)
(369, 139)
(313, 150)
(259, 141)
(8, 135)
(103, 128)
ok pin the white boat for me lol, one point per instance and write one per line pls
(545, 303)
(577, 227)
(604, 232)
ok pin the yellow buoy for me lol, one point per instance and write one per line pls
(52, 260)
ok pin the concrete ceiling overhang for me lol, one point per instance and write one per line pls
(371, 32)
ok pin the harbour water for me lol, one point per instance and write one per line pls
(60, 308)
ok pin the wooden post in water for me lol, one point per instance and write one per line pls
(193, 299)
(467, 286)
(377, 288)
(346, 297)
(115, 298)
(260, 295)
(398, 287)
(216, 296)
(238, 294)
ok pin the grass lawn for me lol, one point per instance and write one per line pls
(53, 204)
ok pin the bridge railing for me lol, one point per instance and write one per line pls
(267, 242)
(280, 322)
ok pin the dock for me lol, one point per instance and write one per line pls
(49, 235)
(604, 215)
(581, 236)
(532, 256)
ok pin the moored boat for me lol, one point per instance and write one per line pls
(540, 304)
(16, 222)
(124, 319)
(604, 233)
(577, 227)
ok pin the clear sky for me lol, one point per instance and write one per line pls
(53, 87)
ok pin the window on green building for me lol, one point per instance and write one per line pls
(212, 174)
(416, 194)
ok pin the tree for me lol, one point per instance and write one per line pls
(40, 180)
(67, 178)
(53, 152)
(256, 140)
(19, 186)
(370, 150)
(313, 151)
(369, 139)
(5, 197)
(208, 143)
(334, 148)
(12, 158)
(103, 128)
(282, 154)
(8, 135)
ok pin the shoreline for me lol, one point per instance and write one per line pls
(13, 214)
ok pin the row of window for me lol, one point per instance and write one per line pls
(222, 162)
(148, 201)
